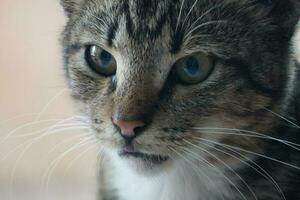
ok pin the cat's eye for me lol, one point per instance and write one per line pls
(193, 69)
(100, 61)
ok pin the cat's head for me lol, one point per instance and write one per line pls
(161, 80)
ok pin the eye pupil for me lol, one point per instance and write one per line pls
(105, 58)
(192, 66)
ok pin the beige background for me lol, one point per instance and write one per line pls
(30, 76)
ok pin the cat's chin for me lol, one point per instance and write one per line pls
(145, 163)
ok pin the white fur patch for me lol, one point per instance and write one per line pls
(179, 182)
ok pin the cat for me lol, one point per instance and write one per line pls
(189, 99)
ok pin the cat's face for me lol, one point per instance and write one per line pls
(172, 73)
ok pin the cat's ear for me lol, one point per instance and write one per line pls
(71, 6)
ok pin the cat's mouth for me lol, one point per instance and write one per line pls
(146, 157)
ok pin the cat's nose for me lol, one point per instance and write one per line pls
(127, 127)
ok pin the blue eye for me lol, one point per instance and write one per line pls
(192, 66)
(105, 58)
(100, 61)
(193, 69)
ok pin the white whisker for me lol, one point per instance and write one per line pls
(253, 134)
(34, 123)
(202, 16)
(20, 146)
(228, 167)
(251, 152)
(27, 115)
(188, 14)
(99, 157)
(47, 175)
(179, 15)
(49, 103)
(80, 136)
(51, 128)
(26, 148)
(284, 118)
(193, 165)
(265, 174)
(203, 25)
(77, 158)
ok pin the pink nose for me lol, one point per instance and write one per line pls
(127, 127)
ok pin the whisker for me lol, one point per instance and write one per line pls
(67, 141)
(24, 126)
(188, 14)
(179, 15)
(28, 115)
(193, 165)
(51, 133)
(265, 174)
(27, 147)
(33, 123)
(202, 36)
(77, 158)
(203, 25)
(202, 16)
(253, 134)
(49, 103)
(47, 175)
(228, 167)
(99, 158)
(281, 117)
(51, 128)
(20, 146)
(250, 152)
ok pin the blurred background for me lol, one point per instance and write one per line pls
(34, 97)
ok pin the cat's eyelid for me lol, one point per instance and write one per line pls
(79, 46)
(183, 54)
(102, 45)
(75, 47)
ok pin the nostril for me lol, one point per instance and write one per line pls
(128, 127)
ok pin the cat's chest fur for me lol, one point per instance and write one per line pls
(179, 183)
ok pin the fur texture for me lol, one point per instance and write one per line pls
(225, 138)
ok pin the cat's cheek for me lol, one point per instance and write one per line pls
(221, 129)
